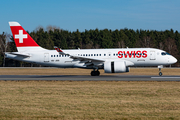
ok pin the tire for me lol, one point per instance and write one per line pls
(160, 73)
(93, 73)
(97, 73)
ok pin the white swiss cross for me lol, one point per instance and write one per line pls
(21, 36)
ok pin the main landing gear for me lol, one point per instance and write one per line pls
(95, 73)
(160, 73)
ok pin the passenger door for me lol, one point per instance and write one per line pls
(152, 55)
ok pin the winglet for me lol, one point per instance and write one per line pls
(58, 49)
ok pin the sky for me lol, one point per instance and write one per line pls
(84, 15)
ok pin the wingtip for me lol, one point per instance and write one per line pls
(14, 24)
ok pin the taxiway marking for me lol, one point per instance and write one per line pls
(166, 77)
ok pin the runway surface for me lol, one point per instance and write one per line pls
(90, 78)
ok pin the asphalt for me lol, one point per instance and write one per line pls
(89, 78)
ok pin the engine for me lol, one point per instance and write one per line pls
(115, 67)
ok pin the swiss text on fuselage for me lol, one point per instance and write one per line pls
(134, 54)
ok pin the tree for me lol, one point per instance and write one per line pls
(78, 39)
(116, 38)
(123, 38)
(4, 43)
(106, 39)
(177, 39)
(170, 46)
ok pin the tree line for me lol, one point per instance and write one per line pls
(168, 40)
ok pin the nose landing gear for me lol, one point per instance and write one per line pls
(95, 73)
(160, 73)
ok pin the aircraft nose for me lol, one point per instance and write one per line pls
(173, 60)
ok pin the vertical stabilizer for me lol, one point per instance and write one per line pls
(22, 39)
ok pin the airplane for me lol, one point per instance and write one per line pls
(115, 60)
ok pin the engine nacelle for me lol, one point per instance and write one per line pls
(115, 67)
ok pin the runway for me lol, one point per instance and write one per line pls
(89, 78)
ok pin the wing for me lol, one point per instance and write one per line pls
(88, 62)
(93, 62)
(86, 59)
(19, 54)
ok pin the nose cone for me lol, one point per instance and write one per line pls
(172, 60)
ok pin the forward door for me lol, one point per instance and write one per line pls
(152, 55)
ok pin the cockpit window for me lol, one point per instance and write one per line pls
(165, 53)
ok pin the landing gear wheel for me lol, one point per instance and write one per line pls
(95, 73)
(160, 73)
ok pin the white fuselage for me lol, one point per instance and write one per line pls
(152, 57)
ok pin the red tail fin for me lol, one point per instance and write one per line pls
(21, 37)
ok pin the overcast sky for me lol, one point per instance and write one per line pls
(91, 14)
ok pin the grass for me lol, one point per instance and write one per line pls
(76, 71)
(89, 100)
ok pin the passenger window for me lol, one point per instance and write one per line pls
(99, 54)
(91, 54)
(51, 55)
(114, 54)
(59, 55)
(94, 54)
(54, 55)
(83, 54)
(104, 54)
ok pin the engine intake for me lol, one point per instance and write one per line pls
(115, 67)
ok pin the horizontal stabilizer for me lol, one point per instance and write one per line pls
(19, 54)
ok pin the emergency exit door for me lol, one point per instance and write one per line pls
(46, 57)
